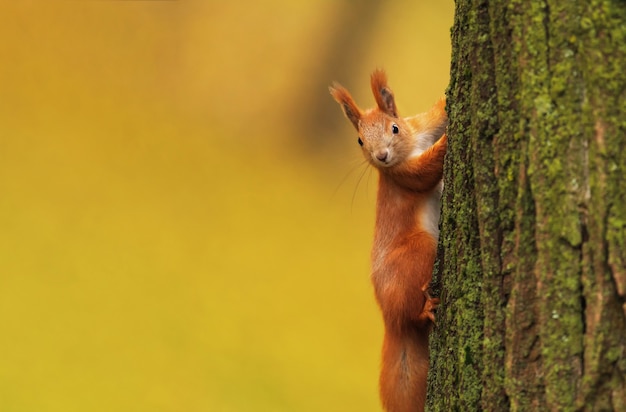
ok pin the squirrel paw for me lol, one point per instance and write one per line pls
(430, 305)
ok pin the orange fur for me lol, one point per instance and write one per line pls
(409, 154)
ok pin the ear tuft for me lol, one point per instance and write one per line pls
(382, 93)
(345, 100)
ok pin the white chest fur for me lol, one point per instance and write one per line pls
(429, 214)
(422, 142)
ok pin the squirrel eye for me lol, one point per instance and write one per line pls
(360, 142)
(394, 129)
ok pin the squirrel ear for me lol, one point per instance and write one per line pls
(345, 100)
(382, 93)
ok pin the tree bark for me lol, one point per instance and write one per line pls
(532, 263)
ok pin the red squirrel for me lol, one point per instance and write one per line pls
(408, 153)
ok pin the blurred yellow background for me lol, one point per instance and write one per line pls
(185, 220)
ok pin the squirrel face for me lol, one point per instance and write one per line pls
(384, 136)
(385, 140)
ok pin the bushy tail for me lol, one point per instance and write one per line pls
(404, 370)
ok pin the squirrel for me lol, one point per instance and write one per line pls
(408, 154)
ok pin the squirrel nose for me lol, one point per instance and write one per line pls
(382, 155)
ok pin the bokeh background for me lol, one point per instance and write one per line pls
(185, 218)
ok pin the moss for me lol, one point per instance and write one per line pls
(459, 351)
(601, 41)
(554, 162)
(452, 383)
(525, 254)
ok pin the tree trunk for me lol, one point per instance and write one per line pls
(532, 264)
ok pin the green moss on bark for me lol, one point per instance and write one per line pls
(554, 136)
(532, 268)
(603, 51)
(457, 346)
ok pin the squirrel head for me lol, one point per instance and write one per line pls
(383, 135)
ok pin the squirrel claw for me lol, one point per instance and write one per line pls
(429, 306)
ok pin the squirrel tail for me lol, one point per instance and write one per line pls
(404, 372)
